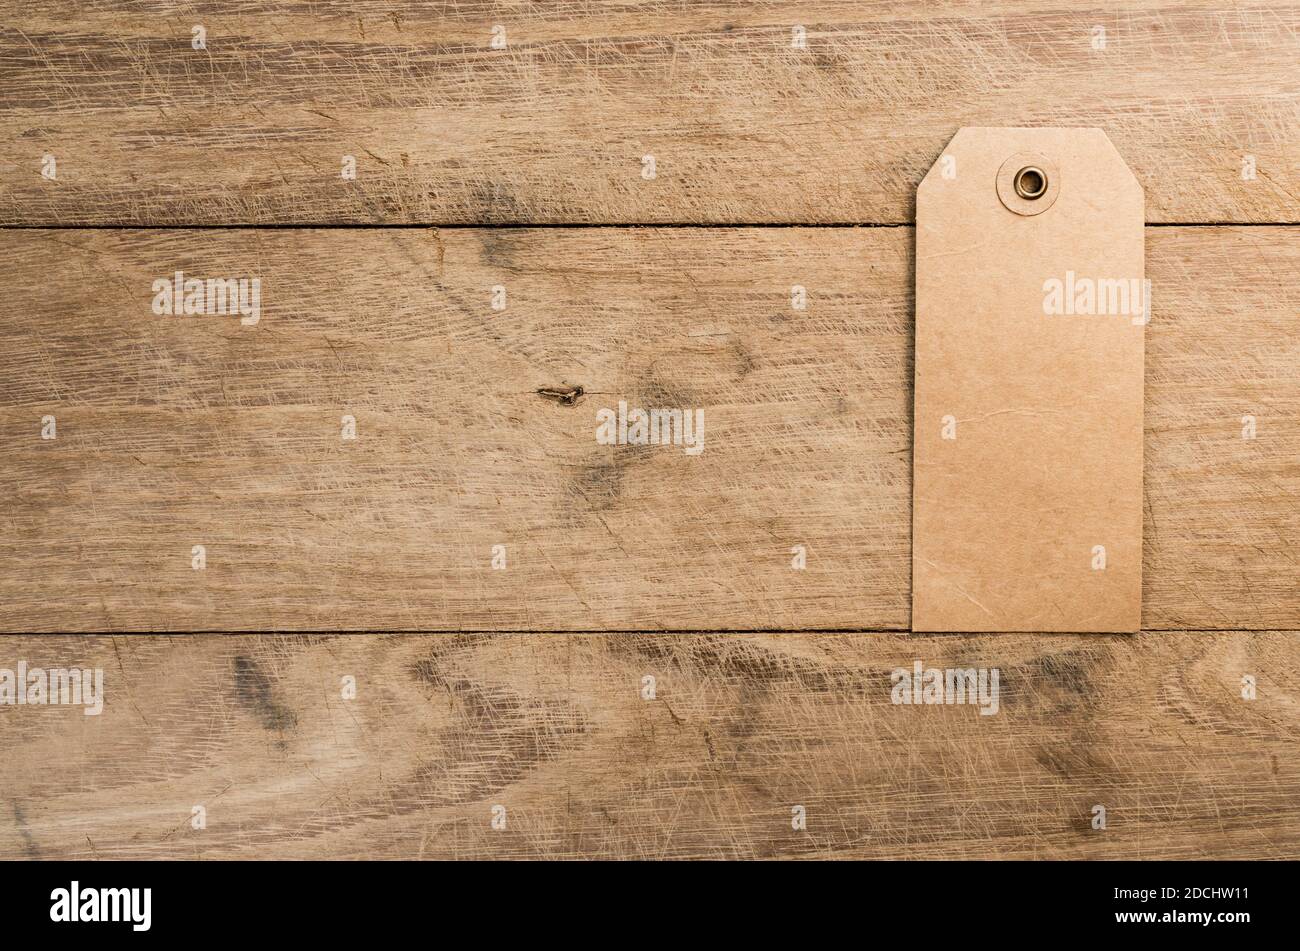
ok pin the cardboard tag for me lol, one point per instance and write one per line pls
(1030, 309)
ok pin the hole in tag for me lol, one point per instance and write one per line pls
(1031, 183)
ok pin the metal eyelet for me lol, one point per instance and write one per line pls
(1031, 182)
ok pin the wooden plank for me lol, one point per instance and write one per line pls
(741, 729)
(181, 431)
(744, 127)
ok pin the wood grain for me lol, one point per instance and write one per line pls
(183, 431)
(742, 728)
(744, 128)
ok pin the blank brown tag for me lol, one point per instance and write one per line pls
(1030, 310)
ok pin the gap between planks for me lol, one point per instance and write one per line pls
(569, 226)
(648, 632)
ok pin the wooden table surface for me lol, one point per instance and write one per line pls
(786, 142)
